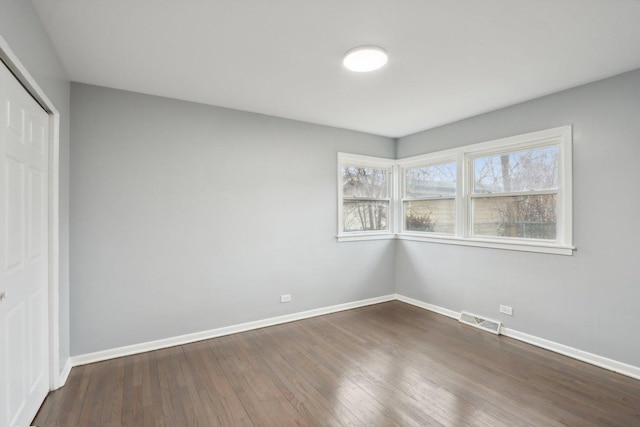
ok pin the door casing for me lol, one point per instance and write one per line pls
(56, 377)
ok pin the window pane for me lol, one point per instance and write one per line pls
(433, 180)
(532, 217)
(435, 216)
(526, 170)
(365, 215)
(365, 182)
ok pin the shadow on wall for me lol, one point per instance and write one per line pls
(375, 278)
(413, 268)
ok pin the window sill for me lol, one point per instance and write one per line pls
(488, 243)
(538, 247)
(367, 236)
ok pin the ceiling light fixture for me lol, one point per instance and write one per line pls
(363, 59)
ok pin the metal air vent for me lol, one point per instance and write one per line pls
(488, 325)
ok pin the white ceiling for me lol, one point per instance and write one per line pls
(448, 59)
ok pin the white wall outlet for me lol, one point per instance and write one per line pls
(505, 309)
(285, 298)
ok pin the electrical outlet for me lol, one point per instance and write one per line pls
(285, 298)
(505, 309)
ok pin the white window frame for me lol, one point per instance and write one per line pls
(463, 156)
(562, 245)
(416, 162)
(345, 159)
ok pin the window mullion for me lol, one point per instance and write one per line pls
(395, 207)
(368, 199)
(514, 193)
(462, 203)
(418, 199)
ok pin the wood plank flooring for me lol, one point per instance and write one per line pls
(390, 364)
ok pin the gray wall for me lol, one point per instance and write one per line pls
(21, 29)
(589, 300)
(189, 217)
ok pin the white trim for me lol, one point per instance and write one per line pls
(513, 194)
(367, 162)
(481, 243)
(574, 353)
(565, 193)
(593, 359)
(436, 309)
(54, 254)
(560, 137)
(424, 161)
(219, 332)
(25, 78)
(463, 156)
(395, 208)
(362, 236)
(64, 375)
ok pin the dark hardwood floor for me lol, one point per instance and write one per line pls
(383, 365)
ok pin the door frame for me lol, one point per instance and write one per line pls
(56, 378)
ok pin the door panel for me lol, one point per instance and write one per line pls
(38, 333)
(24, 340)
(36, 217)
(16, 332)
(14, 204)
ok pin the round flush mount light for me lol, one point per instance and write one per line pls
(363, 59)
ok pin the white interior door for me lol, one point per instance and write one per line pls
(24, 351)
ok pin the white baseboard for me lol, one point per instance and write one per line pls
(99, 356)
(593, 359)
(430, 307)
(64, 374)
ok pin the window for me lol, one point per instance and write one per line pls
(513, 193)
(429, 198)
(365, 189)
